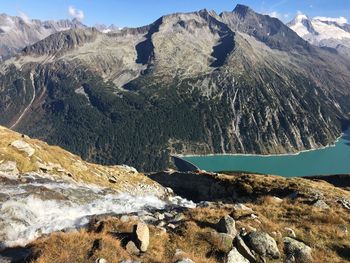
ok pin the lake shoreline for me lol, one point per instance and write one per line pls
(261, 155)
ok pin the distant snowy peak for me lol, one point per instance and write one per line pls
(107, 29)
(322, 31)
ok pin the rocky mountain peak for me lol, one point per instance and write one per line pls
(243, 10)
(62, 41)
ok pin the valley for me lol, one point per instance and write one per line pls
(244, 91)
(201, 137)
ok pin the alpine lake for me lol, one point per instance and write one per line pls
(334, 159)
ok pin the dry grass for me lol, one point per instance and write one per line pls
(77, 247)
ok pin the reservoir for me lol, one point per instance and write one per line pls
(330, 160)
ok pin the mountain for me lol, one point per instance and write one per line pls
(189, 83)
(324, 32)
(18, 32)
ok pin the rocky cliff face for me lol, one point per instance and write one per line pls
(192, 83)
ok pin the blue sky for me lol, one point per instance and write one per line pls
(141, 12)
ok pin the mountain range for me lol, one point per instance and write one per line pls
(17, 32)
(189, 83)
(324, 32)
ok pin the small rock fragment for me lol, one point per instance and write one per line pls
(321, 204)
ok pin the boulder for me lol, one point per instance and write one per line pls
(142, 235)
(100, 260)
(235, 257)
(263, 244)
(22, 146)
(221, 241)
(243, 249)
(227, 225)
(297, 250)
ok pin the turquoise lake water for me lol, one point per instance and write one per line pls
(330, 160)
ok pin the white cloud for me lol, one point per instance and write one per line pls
(24, 17)
(274, 14)
(339, 20)
(278, 15)
(75, 13)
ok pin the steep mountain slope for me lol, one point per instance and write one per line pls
(18, 32)
(323, 32)
(188, 83)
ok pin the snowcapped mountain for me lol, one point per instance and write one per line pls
(323, 31)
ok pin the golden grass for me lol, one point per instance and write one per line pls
(77, 247)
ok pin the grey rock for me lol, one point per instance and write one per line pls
(227, 225)
(321, 204)
(235, 257)
(244, 249)
(263, 244)
(297, 250)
